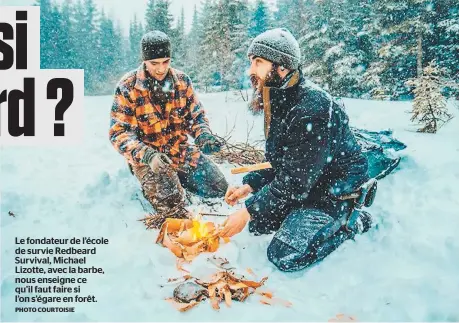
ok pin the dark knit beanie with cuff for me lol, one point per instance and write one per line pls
(155, 44)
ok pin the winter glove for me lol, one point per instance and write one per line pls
(159, 163)
(208, 143)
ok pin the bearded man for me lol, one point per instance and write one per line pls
(313, 194)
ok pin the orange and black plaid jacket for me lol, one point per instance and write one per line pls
(139, 126)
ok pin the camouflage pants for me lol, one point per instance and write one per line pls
(166, 191)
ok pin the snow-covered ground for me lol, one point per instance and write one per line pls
(405, 269)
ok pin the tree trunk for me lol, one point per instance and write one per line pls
(434, 119)
(329, 76)
(419, 56)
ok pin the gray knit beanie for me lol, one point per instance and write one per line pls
(278, 46)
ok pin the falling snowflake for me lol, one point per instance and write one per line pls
(167, 86)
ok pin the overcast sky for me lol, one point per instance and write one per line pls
(123, 10)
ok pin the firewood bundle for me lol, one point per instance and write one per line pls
(188, 238)
(223, 286)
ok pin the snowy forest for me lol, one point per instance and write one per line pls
(374, 49)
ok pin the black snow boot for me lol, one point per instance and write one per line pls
(364, 222)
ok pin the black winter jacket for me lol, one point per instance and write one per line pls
(312, 150)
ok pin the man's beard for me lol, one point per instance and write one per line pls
(273, 79)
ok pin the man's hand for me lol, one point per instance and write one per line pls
(208, 143)
(159, 163)
(234, 194)
(235, 223)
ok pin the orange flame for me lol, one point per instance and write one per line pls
(188, 238)
(200, 228)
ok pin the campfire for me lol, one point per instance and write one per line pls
(188, 238)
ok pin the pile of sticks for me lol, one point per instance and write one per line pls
(239, 153)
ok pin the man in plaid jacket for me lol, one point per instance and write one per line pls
(154, 110)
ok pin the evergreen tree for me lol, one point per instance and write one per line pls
(208, 74)
(150, 19)
(123, 58)
(404, 28)
(49, 32)
(66, 45)
(322, 42)
(136, 32)
(162, 17)
(354, 36)
(429, 106)
(443, 42)
(351, 48)
(336, 45)
(109, 54)
(224, 43)
(86, 41)
(281, 15)
(179, 44)
(192, 43)
(223, 48)
(292, 14)
(239, 19)
(260, 20)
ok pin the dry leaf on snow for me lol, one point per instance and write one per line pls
(343, 318)
(182, 307)
(220, 287)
